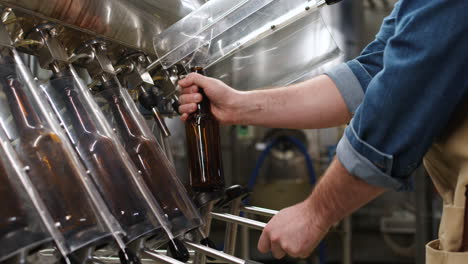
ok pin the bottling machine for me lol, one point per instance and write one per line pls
(83, 177)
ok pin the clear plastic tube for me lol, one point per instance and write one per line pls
(281, 58)
(146, 153)
(115, 176)
(21, 227)
(49, 167)
(217, 33)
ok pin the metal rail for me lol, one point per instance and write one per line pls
(258, 211)
(239, 220)
(218, 254)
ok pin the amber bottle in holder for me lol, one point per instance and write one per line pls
(100, 155)
(127, 208)
(21, 228)
(204, 147)
(148, 157)
(140, 149)
(48, 167)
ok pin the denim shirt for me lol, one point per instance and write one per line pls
(403, 89)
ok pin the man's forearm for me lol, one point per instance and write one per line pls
(315, 103)
(339, 193)
(297, 230)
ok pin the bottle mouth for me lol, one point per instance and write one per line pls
(198, 69)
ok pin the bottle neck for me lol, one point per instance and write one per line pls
(123, 117)
(24, 115)
(81, 120)
(204, 107)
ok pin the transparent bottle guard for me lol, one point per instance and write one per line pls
(48, 164)
(114, 178)
(221, 28)
(147, 155)
(21, 228)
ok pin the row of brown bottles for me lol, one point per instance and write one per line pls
(50, 169)
(100, 154)
(145, 153)
(204, 147)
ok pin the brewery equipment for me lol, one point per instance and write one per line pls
(91, 162)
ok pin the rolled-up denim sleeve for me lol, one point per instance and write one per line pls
(353, 77)
(409, 102)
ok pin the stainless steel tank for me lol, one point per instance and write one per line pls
(132, 23)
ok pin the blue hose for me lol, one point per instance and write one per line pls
(310, 167)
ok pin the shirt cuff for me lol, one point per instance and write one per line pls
(361, 167)
(348, 85)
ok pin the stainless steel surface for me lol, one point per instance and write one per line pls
(259, 211)
(51, 51)
(128, 22)
(98, 63)
(5, 40)
(347, 242)
(215, 253)
(230, 239)
(225, 28)
(245, 242)
(160, 121)
(164, 141)
(239, 220)
(204, 231)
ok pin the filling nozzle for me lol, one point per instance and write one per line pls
(149, 101)
(135, 77)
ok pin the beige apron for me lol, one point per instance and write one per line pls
(447, 164)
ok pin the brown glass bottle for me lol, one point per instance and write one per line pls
(12, 217)
(204, 147)
(50, 169)
(144, 153)
(100, 154)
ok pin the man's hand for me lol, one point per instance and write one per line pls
(297, 230)
(225, 101)
(294, 231)
(299, 106)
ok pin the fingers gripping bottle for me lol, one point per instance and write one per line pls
(204, 148)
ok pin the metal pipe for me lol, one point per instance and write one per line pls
(76, 57)
(161, 123)
(160, 258)
(231, 229)
(245, 242)
(347, 236)
(258, 211)
(128, 22)
(204, 233)
(239, 220)
(28, 42)
(215, 253)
